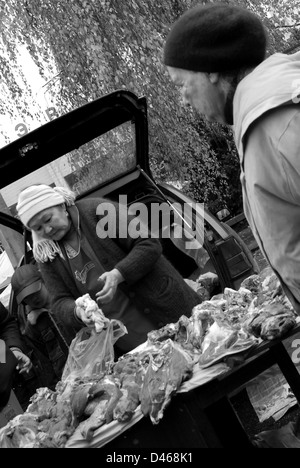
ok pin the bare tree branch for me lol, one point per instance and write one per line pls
(287, 26)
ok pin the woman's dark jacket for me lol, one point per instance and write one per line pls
(9, 333)
(9, 330)
(150, 280)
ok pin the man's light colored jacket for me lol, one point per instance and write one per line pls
(267, 136)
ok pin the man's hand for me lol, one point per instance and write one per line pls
(24, 362)
(111, 280)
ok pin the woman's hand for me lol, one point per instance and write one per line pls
(24, 362)
(111, 280)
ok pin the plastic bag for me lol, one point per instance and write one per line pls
(92, 353)
(220, 343)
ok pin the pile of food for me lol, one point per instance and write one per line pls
(146, 379)
(270, 314)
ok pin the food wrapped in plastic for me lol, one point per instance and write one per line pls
(90, 311)
(270, 320)
(220, 343)
(252, 283)
(169, 366)
(276, 326)
(20, 432)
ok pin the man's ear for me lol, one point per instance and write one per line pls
(213, 77)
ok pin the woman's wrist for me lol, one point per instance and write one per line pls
(117, 275)
(76, 315)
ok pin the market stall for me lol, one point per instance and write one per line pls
(174, 390)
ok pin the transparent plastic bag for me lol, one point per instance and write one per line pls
(91, 353)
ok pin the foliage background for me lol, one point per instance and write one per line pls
(86, 48)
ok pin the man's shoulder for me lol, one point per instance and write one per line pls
(275, 122)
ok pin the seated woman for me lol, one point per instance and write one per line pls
(12, 357)
(125, 273)
(43, 335)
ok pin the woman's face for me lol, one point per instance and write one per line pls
(52, 223)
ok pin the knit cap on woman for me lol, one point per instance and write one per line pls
(31, 202)
(37, 198)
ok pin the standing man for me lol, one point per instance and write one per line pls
(216, 54)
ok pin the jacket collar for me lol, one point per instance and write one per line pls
(271, 84)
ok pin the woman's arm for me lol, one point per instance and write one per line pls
(143, 251)
(62, 301)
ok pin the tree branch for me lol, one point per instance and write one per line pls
(287, 26)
